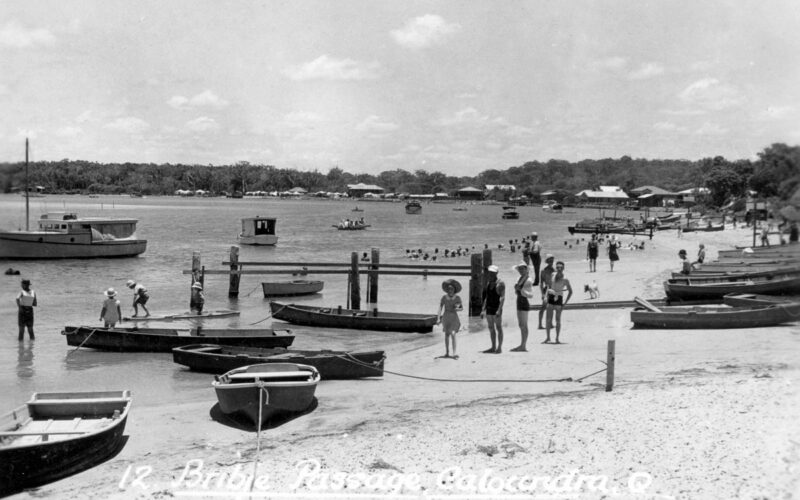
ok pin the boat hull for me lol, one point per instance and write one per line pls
(47, 245)
(245, 397)
(218, 359)
(26, 465)
(353, 319)
(261, 239)
(699, 317)
(680, 289)
(289, 288)
(166, 339)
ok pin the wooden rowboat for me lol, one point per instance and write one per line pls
(259, 392)
(165, 339)
(754, 299)
(752, 274)
(55, 435)
(221, 313)
(707, 317)
(353, 319)
(218, 359)
(293, 287)
(688, 289)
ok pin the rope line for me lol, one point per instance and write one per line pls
(84, 341)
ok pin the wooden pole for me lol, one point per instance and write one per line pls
(355, 283)
(372, 280)
(610, 365)
(196, 267)
(476, 284)
(233, 286)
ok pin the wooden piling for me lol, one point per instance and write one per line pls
(233, 286)
(372, 280)
(610, 365)
(476, 284)
(355, 284)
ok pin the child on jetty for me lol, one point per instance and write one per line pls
(448, 315)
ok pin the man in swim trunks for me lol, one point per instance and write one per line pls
(544, 284)
(535, 256)
(556, 300)
(494, 295)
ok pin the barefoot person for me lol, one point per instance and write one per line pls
(494, 296)
(26, 301)
(556, 300)
(544, 284)
(524, 291)
(140, 297)
(111, 312)
(536, 256)
(613, 247)
(448, 315)
(591, 253)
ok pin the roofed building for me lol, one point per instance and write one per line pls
(469, 193)
(606, 195)
(361, 189)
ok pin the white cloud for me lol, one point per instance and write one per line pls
(17, 36)
(711, 94)
(424, 31)
(646, 70)
(328, 68)
(129, 124)
(374, 125)
(609, 63)
(3, 90)
(69, 132)
(668, 127)
(205, 99)
(86, 116)
(776, 112)
(711, 129)
(203, 124)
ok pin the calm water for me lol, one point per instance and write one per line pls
(70, 292)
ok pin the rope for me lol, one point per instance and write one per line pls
(269, 315)
(262, 391)
(253, 290)
(84, 340)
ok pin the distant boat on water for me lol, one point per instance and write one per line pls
(258, 231)
(413, 207)
(510, 212)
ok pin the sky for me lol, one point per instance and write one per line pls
(457, 86)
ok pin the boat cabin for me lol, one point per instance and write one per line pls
(258, 231)
(102, 229)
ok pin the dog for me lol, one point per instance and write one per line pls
(593, 290)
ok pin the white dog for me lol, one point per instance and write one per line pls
(593, 290)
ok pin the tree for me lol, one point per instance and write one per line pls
(776, 171)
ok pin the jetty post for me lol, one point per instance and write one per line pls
(233, 284)
(476, 279)
(372, 280)
(355, 283)
(611, 356)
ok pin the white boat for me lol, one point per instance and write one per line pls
(552, 206)
(413, 207)
(294, 287)
(258, 231)
(63, 235)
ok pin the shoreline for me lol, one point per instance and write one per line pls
(696, 413)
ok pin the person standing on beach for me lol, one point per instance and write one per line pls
(140, 297)
(536, 256)
(701, 255)
(765, 236)
(544, 284)
(26, 301)
(524, 291)
(197, 299)
(111, 312)
(686, 266)
(448, 315)
(613, 247)
(494, 296)
(591, 253)
(556, 300)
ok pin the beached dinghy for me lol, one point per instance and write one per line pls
(221, 313)
(352, 318)
(689, 289)
(219, 359)
(290, 288)
(55, 435)
(165, 339)
(707, 317)
(261, 391)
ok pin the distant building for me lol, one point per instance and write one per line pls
(500, 192)
(469, 193)
(606, 195)
(690, 195)
(361, 189)
(653, 196)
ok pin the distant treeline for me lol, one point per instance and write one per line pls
(776, 173)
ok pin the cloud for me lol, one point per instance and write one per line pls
(373, 125)
(69, 132)
(328, 68)
(203, 124)
(775, 112)
(17, 36)
(424, 31)
(646, 70)
(711, 94)
(609, 63)
(129, 124)
(668, 127)
(86, 116)
(711, 129)
(205, 99)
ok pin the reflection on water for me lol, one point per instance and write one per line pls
(25, 360)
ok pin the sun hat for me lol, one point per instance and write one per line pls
(534, 233)
(26, 282)
(520, 265)
(492, 268)
(130, 283)
(681, 252)
(451, 282)
(111, 293)
(197, 285)
(549, 256)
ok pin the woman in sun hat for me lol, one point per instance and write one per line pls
(524, 290)
(198, 299)
(448, 315)
(111, 312)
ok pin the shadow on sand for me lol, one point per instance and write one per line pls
(238, 421)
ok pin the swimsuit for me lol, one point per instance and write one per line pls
(492, 299)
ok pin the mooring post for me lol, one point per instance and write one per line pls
(355, 284)
(475, 284)
(196, 271)
(372, 280)
(487, 261)
(233, 286)
(610, 366)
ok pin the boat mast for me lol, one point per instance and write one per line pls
(27, 203)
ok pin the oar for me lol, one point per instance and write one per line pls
(646, 304)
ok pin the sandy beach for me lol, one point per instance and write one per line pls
(693, 414)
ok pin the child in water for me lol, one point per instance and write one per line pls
(448, 315)
(198, 299)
